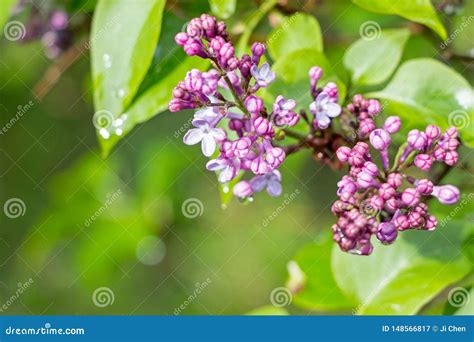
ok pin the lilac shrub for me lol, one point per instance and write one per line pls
(242, 136)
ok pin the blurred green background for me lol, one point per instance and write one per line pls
(141, 246)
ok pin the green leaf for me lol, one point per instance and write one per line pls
(223, 8)
(320, 290)
(154, 100)
(251, 23)
(377, 66)
(6, 7)
(300, 31)
(420, 11)
(424, 91)
(292, 76)
(124, 36)
(462, 31)
(268, 311)
(401, 278)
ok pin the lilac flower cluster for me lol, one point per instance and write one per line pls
(248, 144)
(383, 201)
(53, 30)
(364, 110)
(325, 107)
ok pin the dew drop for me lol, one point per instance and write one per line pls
(104, 133)
(107, 61)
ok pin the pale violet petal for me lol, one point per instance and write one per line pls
(274, 187)
(193, 136)
(218, 134)
(226, 175)
(322, 98)
(333, 109)
(208, 145)
(323, 120)
(258, 183)
(215, 165)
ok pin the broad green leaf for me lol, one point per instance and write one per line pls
(169, 66)
(251, 22)
(462, 31)
(466, 302)
(425, 91)
(377, 66)
(268, 311)
(6, 7)
(123, 39)
(223, 8)
(420, 11)
(292, 79)
(399, 279)
(300, 31)
(154, 100)
(320, 290)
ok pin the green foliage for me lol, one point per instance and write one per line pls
(372, 61)
(425, 91)
(300, 31)
(118, 68)
(320, 291)
(420, 11)
(223, 8)
(292, 75)
(268, 311)
(408, 273)
(462, 31)
(5, 10)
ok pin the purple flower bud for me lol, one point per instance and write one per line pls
(181, 38)
(258, 49)
(386, 233)
(430, 222)
(58, 20)
(410, 197)
(423, 161)
(417, 139)
(392, 124)
(263, 127)
(421, 208)
(446, 194)
(370, 168)
(402, 222)
(315, 73)
(243, 189)
(376, 202)
(374, 107)
(432, 132)
(242, 147)
(275, 157)
(392, 204)
(331, 90)
(365, 127)
(395, 180)
(451, 158)
(254, 104)
(380, 139)
(386, 191)
(439, 153)
(365, 179)
(452, 132)
(416, 219)
(424, 186)
(343, 153)
(362, 148)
